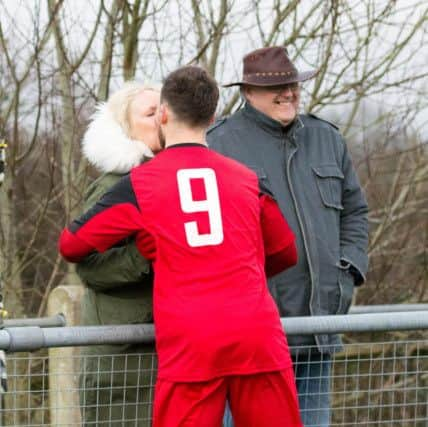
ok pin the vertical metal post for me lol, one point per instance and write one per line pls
(3, 147)
(3, 312)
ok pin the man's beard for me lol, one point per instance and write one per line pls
(162, 140)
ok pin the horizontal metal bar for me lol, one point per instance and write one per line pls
(387, 308)
(43, 322)
(368, 322)
(33, 338)
(59, 319)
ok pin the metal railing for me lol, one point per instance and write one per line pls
(54, 321)
(380, 378)
(34, 337)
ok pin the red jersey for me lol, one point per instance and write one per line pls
(209, 229)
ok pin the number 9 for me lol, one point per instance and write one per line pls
(211, 205)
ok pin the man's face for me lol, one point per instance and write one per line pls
(280, 103)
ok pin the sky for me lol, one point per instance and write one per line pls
(170, 34)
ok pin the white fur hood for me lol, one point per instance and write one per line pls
(106, 146)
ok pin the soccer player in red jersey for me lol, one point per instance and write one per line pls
(213, 234)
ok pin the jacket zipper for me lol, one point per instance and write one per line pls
(304, 236)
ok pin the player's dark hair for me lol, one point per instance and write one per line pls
(192, 94)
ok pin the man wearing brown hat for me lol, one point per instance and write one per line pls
(305, 164)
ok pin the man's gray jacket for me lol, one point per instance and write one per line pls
(307, 168)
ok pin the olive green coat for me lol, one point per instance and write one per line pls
(114, 388)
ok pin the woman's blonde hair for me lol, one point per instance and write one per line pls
(120, 102)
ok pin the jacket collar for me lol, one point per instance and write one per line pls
(106, 146)
(270, 125)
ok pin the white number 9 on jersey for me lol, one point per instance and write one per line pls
(211, 205)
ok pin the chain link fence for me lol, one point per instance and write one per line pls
(378, 379)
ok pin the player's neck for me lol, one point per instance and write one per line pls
(182, 135)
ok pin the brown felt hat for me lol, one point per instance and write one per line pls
(270, 66)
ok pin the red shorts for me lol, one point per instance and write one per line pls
(259, 400)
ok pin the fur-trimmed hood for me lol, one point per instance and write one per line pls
(106, 146)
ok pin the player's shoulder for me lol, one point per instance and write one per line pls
(241, 173)
(232, 164)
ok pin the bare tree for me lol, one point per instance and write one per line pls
(57, 61)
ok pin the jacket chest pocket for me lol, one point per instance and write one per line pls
(329, 179)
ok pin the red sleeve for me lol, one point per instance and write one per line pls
(280, 261)
(72, 248)
(146, 245)
(112, 219)
(278, 238)
(102, 231)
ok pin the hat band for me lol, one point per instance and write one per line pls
(271, 74)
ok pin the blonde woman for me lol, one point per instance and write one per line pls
(114, 381)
